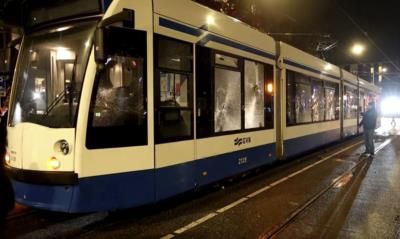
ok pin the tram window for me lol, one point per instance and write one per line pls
(299, 98)
(174, 90)
(118, 112)
(174, 55)
(318, 101)
(330, 104)
(224, 60)
(350, 103)
(120, 95)
(228, 102)
(332, 101)
(303, 103)
(362, 104)
(175, 119)
(290, 98)
(254, 94)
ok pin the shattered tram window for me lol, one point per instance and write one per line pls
(303, 103)
(227, 98)
(254, 95)
(330, 103)
(318, 101)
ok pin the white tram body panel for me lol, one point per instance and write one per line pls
(99, 162)
(305, 131)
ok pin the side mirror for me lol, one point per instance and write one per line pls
(9, 57)
(5, 66)
(99, 51)
(126, 17)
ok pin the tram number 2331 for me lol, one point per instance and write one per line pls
(242, 160)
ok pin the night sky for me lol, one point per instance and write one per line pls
(374, 23)
(346, 21)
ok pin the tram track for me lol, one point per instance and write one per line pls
(355, 171)
(33, 220)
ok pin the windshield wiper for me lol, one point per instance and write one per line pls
(55, 102)
(69, 90)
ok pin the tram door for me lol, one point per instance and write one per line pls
(173, 100)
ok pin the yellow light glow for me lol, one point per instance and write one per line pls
(270, 88)
(384, 70)
(53, 163)
(358, 49)
(210, 20)
(65, 54)
(7, 158)
(328, 67)
(61, 29)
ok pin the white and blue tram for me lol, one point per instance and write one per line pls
(117, 104)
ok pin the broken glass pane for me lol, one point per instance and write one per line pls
(254, 95)
(318, 102)
(227, 115)
(303, 103)
(330, 103)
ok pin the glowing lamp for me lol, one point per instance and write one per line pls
(7, 158)
(270, 88)
(53, 163)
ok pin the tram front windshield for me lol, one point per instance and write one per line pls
(49, 76)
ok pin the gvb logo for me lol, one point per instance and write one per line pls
(240, 141)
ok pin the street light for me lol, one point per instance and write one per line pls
(357, 49)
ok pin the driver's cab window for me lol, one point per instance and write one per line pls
(118, 112)
(120, 96)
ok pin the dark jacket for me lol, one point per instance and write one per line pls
(369, 119)
(7, 199)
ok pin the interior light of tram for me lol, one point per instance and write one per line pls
(64, 54)
(61, 29)
(328, 67)
(7, 158)
(270, 88)
(36, 95)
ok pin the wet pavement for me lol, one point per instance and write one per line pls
(334, 193)
(368, 207)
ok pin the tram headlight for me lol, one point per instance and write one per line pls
(54, 163)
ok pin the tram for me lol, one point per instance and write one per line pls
(117, 104)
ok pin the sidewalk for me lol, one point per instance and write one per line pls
(368, 206)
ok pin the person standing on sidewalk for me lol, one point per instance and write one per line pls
(369, 124)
